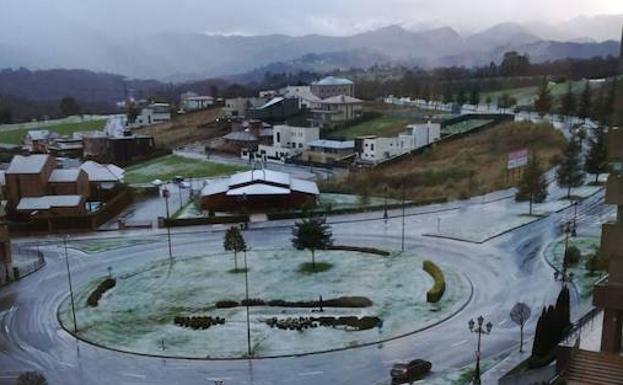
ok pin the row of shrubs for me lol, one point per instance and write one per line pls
(369, 250)
(198, 322)
(595, 262)
(349, 302)
(99, 291)
(436, 292)
(302, 323)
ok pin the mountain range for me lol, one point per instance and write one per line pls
(181, 56)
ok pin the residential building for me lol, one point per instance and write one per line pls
(37, 141)
(238, 107)
(153, 113)
(287, 141)
(328, 151)
(337, 110)
(372, 149)
(307, 100)
(332, 86)
(190, 101)
(246, 135)
(67, 147)
(6, 266)
(258, 191)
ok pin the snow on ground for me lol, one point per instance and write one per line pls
(93, 246)
(137, 315)
(583, 279)
(494, 220)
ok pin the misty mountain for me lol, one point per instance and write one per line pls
(176, 56)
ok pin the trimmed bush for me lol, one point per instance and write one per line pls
(345, 302)
(572, 256)
(197, 323)
(302, 323)
(102, 288)
(436, 292)
(369, 250)
(226, 304)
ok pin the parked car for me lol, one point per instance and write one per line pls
(412, 371)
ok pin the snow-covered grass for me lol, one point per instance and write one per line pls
(94, 246)
(341, 201)
(137, 315)
(583, 279)
(191, 210)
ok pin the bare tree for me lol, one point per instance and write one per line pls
(31, 378)
(520, 314)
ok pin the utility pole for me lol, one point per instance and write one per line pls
(403, 218)
(480, 329)
(165, 195)
(71, 290)
(246, 289)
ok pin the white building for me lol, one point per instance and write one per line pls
(303, 93)
(374, 149)
(153, 114)
(337, 110)
(238, 107)
(288, 141)
(190, 101)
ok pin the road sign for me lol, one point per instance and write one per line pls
(517, 159)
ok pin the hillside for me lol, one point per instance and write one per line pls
(455, 169)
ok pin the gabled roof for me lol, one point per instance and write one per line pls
(38, 134)
(333, 81)
(341, 99)
(259, 182)
(31, 164)
(240, 136)
(102, 173)
(65, 175)
(48, 201)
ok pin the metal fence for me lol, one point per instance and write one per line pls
(26, 260)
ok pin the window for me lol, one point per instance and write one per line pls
(279, 137)
(372, 147)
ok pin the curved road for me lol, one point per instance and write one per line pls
(504, 270)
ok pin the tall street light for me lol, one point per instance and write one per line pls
(564, 276)
(403, 218)
(71, 290)
(165, 195)
(246, 290)
(385, 216)
(478, 328)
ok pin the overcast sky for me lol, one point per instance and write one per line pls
(294, 17)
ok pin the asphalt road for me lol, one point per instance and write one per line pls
(503, 271)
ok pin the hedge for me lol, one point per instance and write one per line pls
(102, 288)
(436, 292)
(344, 302)
(369, 250)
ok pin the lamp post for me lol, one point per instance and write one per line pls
(385, 216)
(563, 276)
(246, 290)
(165, 195)
(403, 218)
(71, 290)
(480, 329)
(575, 217)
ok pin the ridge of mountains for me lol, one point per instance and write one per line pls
(175, 57)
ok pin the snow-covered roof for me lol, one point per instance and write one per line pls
(115, 125)
(259, 182)
(258, 189)
(31, 164)
(38, 134)
(240, 136)
(272, 102)
(334, 144)
(333, 81)
(302, 92)
(341, 99)
(65, 175)
(48, 201)
(102, 173)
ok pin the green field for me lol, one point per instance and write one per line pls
(526, 95)
(464, 126)
(167, 167)
(17, 136)
(384, 125)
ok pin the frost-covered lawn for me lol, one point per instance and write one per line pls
(137, 315)
(583, 279)
(341, 201)
(93, 246)
(167, 167)
(191, 210)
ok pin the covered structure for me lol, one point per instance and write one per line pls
(258, 191)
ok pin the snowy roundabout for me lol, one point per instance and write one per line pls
(150, 310)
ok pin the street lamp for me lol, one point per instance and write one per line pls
(563, 276)
(71, 290)
(165, 195)
(246, 290)
(477, 328)
(385, 216)
(575, 217)
(403, 218)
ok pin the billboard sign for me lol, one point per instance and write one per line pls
(517, 159)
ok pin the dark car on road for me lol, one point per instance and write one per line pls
(412, 371)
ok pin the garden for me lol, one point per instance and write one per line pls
(195, 307)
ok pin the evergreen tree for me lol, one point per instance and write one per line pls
(533, 186)
(563, 312)
(585, 103)
(312, 234)
(474, 97)
(69, 106)
(608, 104)
(460, 97)
(234, 241)
(569, 173)
(567, 102)
(597, 157)
(543, 102)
